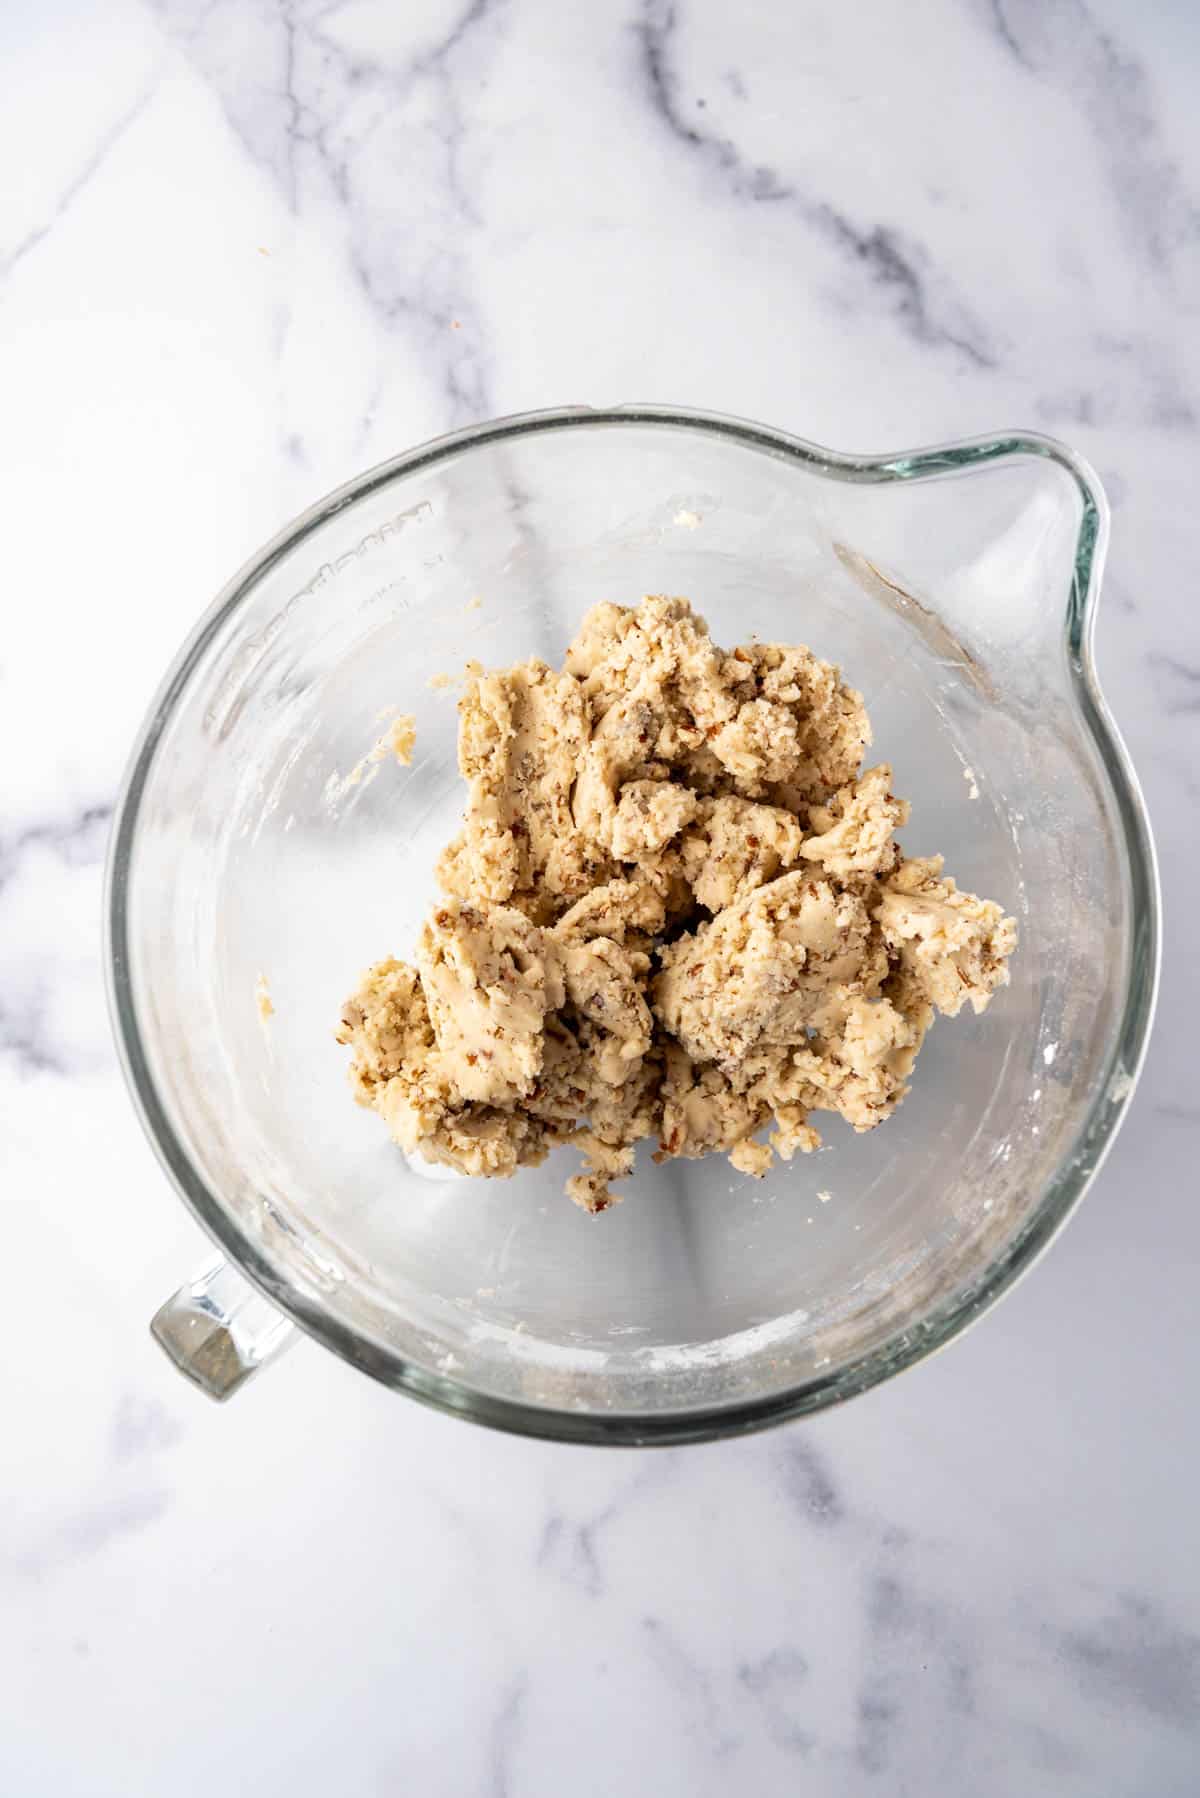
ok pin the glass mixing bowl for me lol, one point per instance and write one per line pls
(957, 588)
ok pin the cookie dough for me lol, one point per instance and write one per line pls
(399, 740)
(676, 909)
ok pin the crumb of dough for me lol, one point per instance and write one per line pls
(439, 682)
(398, 740)
(364, 770)
(676, 910)
(262, 998)
(473, 604)
(687, 520)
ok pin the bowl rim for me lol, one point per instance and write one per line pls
(1064, 1189)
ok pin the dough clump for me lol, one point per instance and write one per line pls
(676, 909)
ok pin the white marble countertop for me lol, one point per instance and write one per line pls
(246, 249)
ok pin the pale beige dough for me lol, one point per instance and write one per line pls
(400, 737)
(676, 909)
(736, 845)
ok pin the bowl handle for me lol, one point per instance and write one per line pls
(218, 1330)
